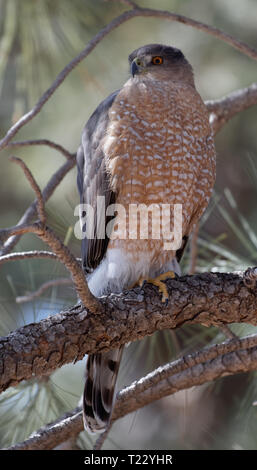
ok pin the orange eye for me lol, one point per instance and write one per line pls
(157, 60)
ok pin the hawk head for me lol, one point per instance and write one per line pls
(161, 61)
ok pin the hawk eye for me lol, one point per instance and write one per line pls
(157, 60)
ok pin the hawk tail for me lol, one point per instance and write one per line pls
(101, 375)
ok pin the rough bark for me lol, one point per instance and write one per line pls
(231, 357)
(209, 299)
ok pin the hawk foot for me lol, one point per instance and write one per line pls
(158, 281)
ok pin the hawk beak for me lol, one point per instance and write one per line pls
(134, 67)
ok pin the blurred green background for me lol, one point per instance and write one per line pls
(37, 39)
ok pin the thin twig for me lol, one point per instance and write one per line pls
(27, 255)
(62, 75)
(40, 201)
(46, 285)
(216, 32)
(30, 255)
(47, 142)
(100, 440)
(47, 192)
(18, 229)
(227, 332)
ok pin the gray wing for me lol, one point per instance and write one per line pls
(93, 181)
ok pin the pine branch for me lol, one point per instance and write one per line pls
(208, 299)
(219, 360)
(222, 110)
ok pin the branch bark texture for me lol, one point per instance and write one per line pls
(211, 363)
(209, 299)
(222, 110)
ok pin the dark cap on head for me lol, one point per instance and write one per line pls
(171, 53)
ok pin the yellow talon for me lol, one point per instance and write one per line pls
(158, 281)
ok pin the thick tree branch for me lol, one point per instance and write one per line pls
(238, 361)
(222, 110)
(208, 299)
(50, 436)
(219, 360)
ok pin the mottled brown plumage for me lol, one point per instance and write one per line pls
(148, 143)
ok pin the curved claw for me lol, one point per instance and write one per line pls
(158, 282)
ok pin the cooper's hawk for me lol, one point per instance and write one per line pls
(148, 143)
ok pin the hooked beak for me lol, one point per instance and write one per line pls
(134, 68)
